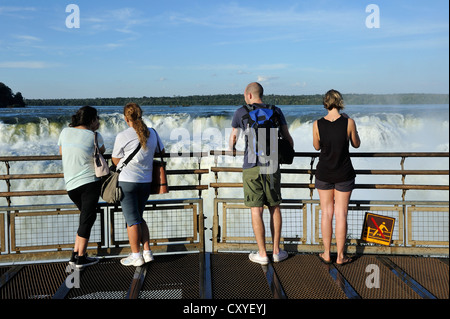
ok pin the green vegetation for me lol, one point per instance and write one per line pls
(237, 99)
(8, 99)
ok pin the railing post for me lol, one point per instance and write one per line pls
(402, 162)
(8, 184)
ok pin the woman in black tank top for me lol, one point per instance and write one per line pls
(335, 175)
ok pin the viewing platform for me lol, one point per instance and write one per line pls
(232, 276)
(201, 234)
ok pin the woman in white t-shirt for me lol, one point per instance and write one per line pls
(135, 180)
(76, 145)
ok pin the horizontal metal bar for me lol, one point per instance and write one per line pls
(31, 176)
(362, 186)
(33, 193)
(54, 207)
(106, 156)
(187, 171)
(359, 154)
(352, 202)
(235, 153)
(361, 172)
(61, 175)
(64, 192)
(30, 158)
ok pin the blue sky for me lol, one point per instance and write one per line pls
(198, 47)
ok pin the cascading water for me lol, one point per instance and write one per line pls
(394, 128)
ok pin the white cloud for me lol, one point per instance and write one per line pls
(27, 65)
(262, 78)
(123, 20)
(235, 16)
(299, 84)
(28, 38)
(15, 9)
(276, 66)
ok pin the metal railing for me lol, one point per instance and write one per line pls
(9, 177)
(33, 229)
(42, 230)
(421, 225)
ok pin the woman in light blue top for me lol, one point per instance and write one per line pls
(76, 145)
(135, 180)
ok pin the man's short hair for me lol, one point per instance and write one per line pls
(255, 88)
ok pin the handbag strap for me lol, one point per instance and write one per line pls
(129, 158)
(96, 148)
(157, 145)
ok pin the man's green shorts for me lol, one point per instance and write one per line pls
(261, 189)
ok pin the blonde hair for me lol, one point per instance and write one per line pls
(133, 113)
(333, 99)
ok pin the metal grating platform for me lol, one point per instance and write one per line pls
(430, 273)
(232, 276)
(106, 280)
(306, 277)
(172, 277)
(235, 277)
(37, 281)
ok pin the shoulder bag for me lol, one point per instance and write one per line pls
(100, 165)
(159, 176)
(285, 152)
(110, 191)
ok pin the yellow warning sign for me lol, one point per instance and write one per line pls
(378, 229)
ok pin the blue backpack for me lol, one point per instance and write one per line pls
(262, 118)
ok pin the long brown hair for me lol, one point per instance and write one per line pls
(133, 113)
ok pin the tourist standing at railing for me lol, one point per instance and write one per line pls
(335, 176)
(76, 145)
(261, 185)
(135, 180)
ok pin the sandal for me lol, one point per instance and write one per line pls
(348, 260)
(324, 260)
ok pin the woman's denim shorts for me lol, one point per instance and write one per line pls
(135, 196)
(346, 186)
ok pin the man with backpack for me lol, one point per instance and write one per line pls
(261, 124)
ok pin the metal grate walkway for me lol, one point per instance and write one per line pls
(232, 276)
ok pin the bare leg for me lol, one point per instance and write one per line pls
(134, 236)
(341, 209)
(145, 237)
(275, 227)
(259, 230)
(80, 245)
(327, 207)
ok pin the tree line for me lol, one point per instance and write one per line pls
(8, 98)
(237, 99)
